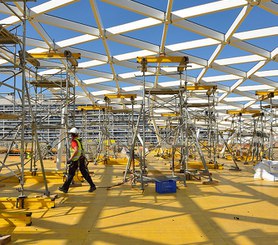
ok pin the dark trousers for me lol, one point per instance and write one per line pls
(83, 169)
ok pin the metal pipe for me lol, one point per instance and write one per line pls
(22, 156)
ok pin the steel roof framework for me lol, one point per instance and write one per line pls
(98, 74)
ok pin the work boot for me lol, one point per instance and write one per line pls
(92, 189)
(62, 189)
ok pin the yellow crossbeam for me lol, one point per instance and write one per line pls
(120, 96)
(182, 60)
(260, 93)
(93, 108)
(170, 114)
(163, 59)
(243, 111)
(266, 94)
(200, 87)
(53, 55)
(71, 57)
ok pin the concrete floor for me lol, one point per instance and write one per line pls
(238, 210)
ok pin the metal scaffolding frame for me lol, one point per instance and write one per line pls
(19, 68)
(179, 135)
(26, 66)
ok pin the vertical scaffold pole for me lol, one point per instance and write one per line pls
(22, 153)
(270, 141)
(143, 157)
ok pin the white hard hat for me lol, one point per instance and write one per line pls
(74, 131)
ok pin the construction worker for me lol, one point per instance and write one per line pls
(77, 159)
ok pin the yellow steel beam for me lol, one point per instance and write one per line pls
(71, 57)
(15, 218)
(25, 203)
(182, 60)
(266, 94)
(53, 55)
(120, 96)
(170, 114)
(260, 93)
(242, 111)
(162, 59)
(200, 87)
(233, 112)
(93, 108)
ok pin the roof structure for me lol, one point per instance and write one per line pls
(230, 44)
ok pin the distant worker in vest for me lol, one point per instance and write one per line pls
(77, 159)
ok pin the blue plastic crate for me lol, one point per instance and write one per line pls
(165, 186)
